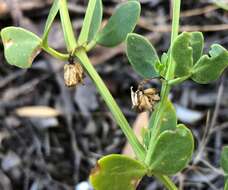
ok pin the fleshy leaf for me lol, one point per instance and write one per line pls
(20, 46)
(173, 151)
(168, 120)
(117, 172)
(187, 50)
(92, 21)
(122, 22)
(209, 69)
(224, 159)
(52, 14)
(142, 55)
(197, 44)
(182, 55)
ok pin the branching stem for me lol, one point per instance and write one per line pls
(165, 90)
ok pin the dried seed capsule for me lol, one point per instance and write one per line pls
(73, 74)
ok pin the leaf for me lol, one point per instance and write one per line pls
(209, 69)
(186, 51)
(122, 22)
(52, 14)
(173, 151)
(197, 44)
(142, 55)
(168, 121)
(117, 172)
(224, 159)
(168, 118)
(92, 21)
(182, 55)
(20, 46)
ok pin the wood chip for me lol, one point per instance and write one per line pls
(37, 111)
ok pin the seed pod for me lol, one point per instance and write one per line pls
(73, 74)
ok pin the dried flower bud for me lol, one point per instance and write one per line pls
(73, 74)
(144, 100)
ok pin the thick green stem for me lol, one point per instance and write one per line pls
(165, 92)
(67, 27)
(166, 182)
(114, 108)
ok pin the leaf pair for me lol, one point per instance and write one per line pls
(187, 54)
(172, 152)
(22, 46)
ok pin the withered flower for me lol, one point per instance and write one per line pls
(144, 100)
(73, 74)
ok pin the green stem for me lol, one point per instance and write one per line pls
(166, 182)
(56, 54)
(114, 108)
(178, 80)
(91, 45)
(165, 86)
(67, 27)
(164, 96)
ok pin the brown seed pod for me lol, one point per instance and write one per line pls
(73, 74)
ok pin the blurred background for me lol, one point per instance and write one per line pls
(55, 147)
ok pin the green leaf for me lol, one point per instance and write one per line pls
(122, 22)
(142, 55)
(20, 46)
(168, 121)
(182, 55)
(92, 21)
(161, 67)
(197, 44)
(173, 151)
(224, 159)
(209, 69)
(52, 14)
(186, 51)
(117, 172)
